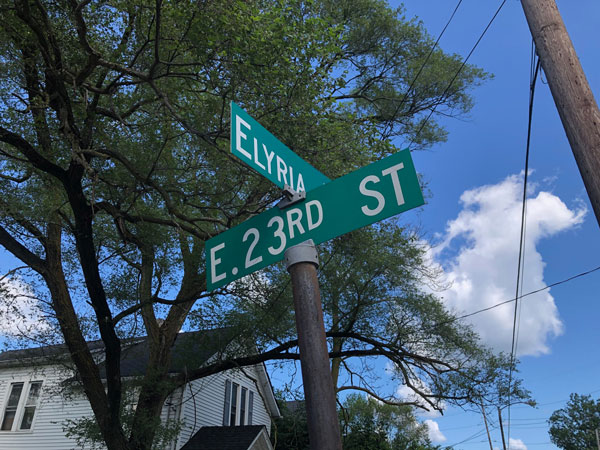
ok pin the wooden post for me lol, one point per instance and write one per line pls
(323, 425)
(487, 430)
(501, 428)
(572, 95)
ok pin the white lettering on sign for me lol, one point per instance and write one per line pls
(239, 135)
(309, 217)
(278, 233)
(249, 260)
(281, 170)
(214, 262)
(294, 222)
(393, 172)
(269, 157)
(371, 193)
(300, 185)
(264, 161)
(256, 155)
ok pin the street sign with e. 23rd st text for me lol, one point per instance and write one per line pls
(380, 190)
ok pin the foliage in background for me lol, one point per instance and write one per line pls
(574, 426)
(115, 169)
(366, 424)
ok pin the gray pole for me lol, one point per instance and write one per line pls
(597, 439)
(572, 95)
(487, 430)
(323, 426)
(501, 428)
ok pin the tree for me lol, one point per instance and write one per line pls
(371, 425)
(367, 424)
(378, 312)
(573, 427)
(114, 162)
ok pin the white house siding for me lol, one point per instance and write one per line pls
(52, 411)
(207, 397)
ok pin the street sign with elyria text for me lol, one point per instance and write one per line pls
(262, 151)
(370, 194)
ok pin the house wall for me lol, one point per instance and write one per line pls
(54, 409)
(209, 394)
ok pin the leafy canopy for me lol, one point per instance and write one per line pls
(115, 168)
(574, 426)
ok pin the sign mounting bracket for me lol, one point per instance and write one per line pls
(290, 197)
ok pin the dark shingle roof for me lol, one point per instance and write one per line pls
(190, 350)
(224, 438)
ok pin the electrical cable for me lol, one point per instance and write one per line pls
(479, 311)
(520, 263)
(464, 63)
(412, 84)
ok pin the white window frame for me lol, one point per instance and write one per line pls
(21, 405)
(247, 409)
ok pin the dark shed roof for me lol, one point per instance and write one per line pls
(224, 438)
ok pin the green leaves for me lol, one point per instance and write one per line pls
(574, 426)
(115, 131)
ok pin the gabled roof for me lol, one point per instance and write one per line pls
(190, 350)
(28, 356)
(249, 437)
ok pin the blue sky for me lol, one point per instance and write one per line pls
(477, 238)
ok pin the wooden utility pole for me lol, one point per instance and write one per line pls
(486, 427)
(323, 426)
(572, 95)
(501, 428)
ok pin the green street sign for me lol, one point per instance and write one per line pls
(370, 194)
(262, 151)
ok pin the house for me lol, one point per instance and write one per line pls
(39, 397)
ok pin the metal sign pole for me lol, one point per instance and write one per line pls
(323, 425)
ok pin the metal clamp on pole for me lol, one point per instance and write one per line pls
(303, 252)
(290, 197)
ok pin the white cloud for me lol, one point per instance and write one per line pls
(20, 311)
(479, 253)
(433, 428)
(516, 444)
(404, 393)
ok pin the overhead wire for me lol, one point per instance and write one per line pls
(479, 311)
(464, 63)
(520, 262)
(431, 50)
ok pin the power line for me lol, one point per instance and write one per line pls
(412, 84)
(549, 286)
(520, 264)
(464, 63)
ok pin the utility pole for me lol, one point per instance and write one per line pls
(501, 428)
(323, 426)
(486, 427)
(572, 95)
(597, 439)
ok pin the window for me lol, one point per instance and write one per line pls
(243, 405)
(20, 409)
(234, 395)
(250, 407)
(239, 405)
